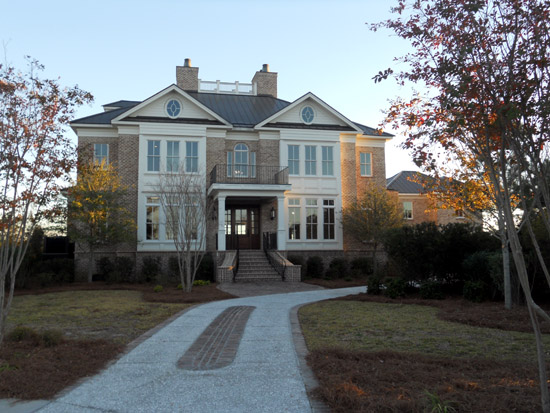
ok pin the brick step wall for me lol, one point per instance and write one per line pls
(254, 266)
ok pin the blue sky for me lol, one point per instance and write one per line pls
(129, 49)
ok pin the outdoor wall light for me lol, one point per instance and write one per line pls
(272, 213)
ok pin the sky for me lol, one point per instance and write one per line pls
(129, 50)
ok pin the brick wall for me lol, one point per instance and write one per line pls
(187, 78)
(378, 168)
(421, 209)
(266, 83)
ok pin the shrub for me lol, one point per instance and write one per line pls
(63, 268)
(46, 279)
(315, 267)
(22, 333)
(158, 289)
(105, 267)
(150, 269)
(338, 268)
(206, 270)
(395, 287)
(201, 282)
(475, 291)
(179, 287)
(124, 269)
(52, 338)
(373, 285)
(361, 266)
(173, 268)
(431, 290)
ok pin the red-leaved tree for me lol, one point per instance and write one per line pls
(36, 157)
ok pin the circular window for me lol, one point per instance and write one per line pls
(307, 114)
(173, 108)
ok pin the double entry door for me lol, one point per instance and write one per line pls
(242, 228)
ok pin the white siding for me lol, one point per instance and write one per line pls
(322, 116)
(189, 109)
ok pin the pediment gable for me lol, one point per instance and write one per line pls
(162, 107)
(309, 112)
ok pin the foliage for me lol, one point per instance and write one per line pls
(395, 287)
(475, 291)
(361, 266)
(315, 267)
(338, 268)
(298, 260)
(119, 270)
(31, 262)
(158, 289)
(436, 405)
(97, 215)
(37, 156)
(150, 269)
(47, 338)
(431, 290)
(201, 282)
(373, 284)
(371, 216)
(206, 269)
(487, 65)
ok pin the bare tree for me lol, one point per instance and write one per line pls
(186, 208)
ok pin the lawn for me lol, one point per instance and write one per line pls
(96, 320)
(375, 356)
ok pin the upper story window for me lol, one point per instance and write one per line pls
(307, 114)
(172, 156)
(153, 156)
(408, 210)
(294, 159)
(365, 160)
(311, 160)
(191, 157)
(101, 152)
(328, 161)
(241, 163)
(173, 108)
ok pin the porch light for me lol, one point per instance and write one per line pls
(272, 213)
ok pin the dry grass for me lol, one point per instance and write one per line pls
(384, 357)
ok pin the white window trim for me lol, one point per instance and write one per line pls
(361, 164)
(411, 210)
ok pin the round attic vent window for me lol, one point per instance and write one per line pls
(173, 108)
(307, 114)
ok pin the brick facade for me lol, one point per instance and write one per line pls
(266, 83)
(187, 77)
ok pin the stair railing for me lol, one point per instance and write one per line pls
(270, 245)
(236, 267)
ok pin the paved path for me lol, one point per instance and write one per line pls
(263, 376)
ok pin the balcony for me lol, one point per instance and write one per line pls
(249, 174)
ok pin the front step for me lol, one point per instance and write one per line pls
(254, 266)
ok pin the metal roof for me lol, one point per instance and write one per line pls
(404, 182)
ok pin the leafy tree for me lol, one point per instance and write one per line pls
(371, 216)
(487, 68)
(35, 158)
(97, 216)
(186, 208)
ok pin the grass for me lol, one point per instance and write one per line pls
(408, 328)
(120, 315)
(95, 322)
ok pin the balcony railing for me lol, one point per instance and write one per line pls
(249, 174)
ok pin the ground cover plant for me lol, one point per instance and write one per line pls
(391, 355)
(90, 324)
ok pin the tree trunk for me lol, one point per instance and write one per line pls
(91, 265)
(505, 262)
(374, 262)
(189, 282)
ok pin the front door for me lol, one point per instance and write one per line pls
(242, 228)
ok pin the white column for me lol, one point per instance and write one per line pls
(221, 223)
(281, 230)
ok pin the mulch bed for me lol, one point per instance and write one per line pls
(458, 310)
(337, 283)
(29, 371)
(395, 382)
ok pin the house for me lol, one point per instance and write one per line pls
(417, 207)
(275, 169)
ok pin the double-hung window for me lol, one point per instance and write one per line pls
(328, 160)
(311, 219)
(153, 156)
(311, 160)
(152, 219)
(172, 156)
(294, 159)
(294, 218)
(191, 156)
(408, 210)
(365, 161)
(101, 152)
(328, 219)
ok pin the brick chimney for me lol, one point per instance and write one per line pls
(187, 77)
(266, 82)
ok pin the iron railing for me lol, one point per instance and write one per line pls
(249, 174)
(270, 248)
